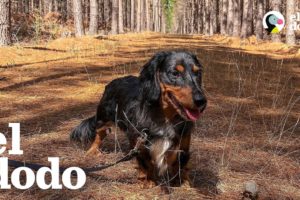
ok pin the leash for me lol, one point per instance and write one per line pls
(132, 153)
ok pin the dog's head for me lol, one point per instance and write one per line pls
(174, 80)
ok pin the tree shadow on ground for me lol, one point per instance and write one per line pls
(205, 181)
(31, 63)
(45, 49)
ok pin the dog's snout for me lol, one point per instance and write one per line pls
(199, 100)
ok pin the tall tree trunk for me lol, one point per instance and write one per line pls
(246, 21)
(237, 19)
(32, 5)
(155, 15)
(50, 6)
(290, 32)
(107, 14)
(86, 5)
(78, 18)
(259, 18)
(206, 15)
(56, 6)
(142, 18)
(5, 35)
(26, 6)
(250, 18)
(213, 17)
(42, 7)
(69, 10)
(223, 24)
(162, 20)
(147, 15)
(192, 19)
(276, 6)
(100, 14)
(199, 18)
(184, 21)
(138, 16)
(132, 6)
(63, 9)
(94, 9)
(114, 17)
(127, 14)
(120, 17)
(19, 8)
(230, 17)
(217, 18)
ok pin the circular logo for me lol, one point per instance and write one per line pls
(273, 22)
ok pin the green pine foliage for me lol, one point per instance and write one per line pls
(168, 8)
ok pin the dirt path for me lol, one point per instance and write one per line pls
(250, 130)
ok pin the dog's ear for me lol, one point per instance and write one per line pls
(197, 62)
(148, 77)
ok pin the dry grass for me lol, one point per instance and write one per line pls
(250, 130)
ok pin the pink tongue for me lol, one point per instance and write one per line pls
(192, 114)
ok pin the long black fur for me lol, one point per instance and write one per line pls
(85, 132)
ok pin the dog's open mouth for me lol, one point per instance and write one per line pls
(187, 113)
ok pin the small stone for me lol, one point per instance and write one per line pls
(250, 190)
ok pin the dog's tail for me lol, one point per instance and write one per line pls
(85, 132)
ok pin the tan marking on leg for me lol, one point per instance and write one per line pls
(185, 146)
(100, 135)
(187, 183)
(94, 149)
(185, 142)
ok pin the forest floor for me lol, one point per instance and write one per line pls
(250, 130)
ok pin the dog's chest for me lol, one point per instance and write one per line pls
(165, 150)
(161, 152)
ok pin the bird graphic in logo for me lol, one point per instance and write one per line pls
(273, 22)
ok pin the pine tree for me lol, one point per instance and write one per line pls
(247, 20)
(120, 17)
(132, 15)
(5, 35)
(230, 17)
(224, 10)
(290, 33)
(78, 18)
(259, 19)
(138, 16)
(236, 20)
(114, 17)
(94, 12)
(168, 8)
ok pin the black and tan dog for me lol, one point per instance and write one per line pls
(163, 103)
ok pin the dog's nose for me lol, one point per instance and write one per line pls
(199, 100)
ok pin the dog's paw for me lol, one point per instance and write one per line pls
(93, 153)
(186, 184)
(147, 184)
